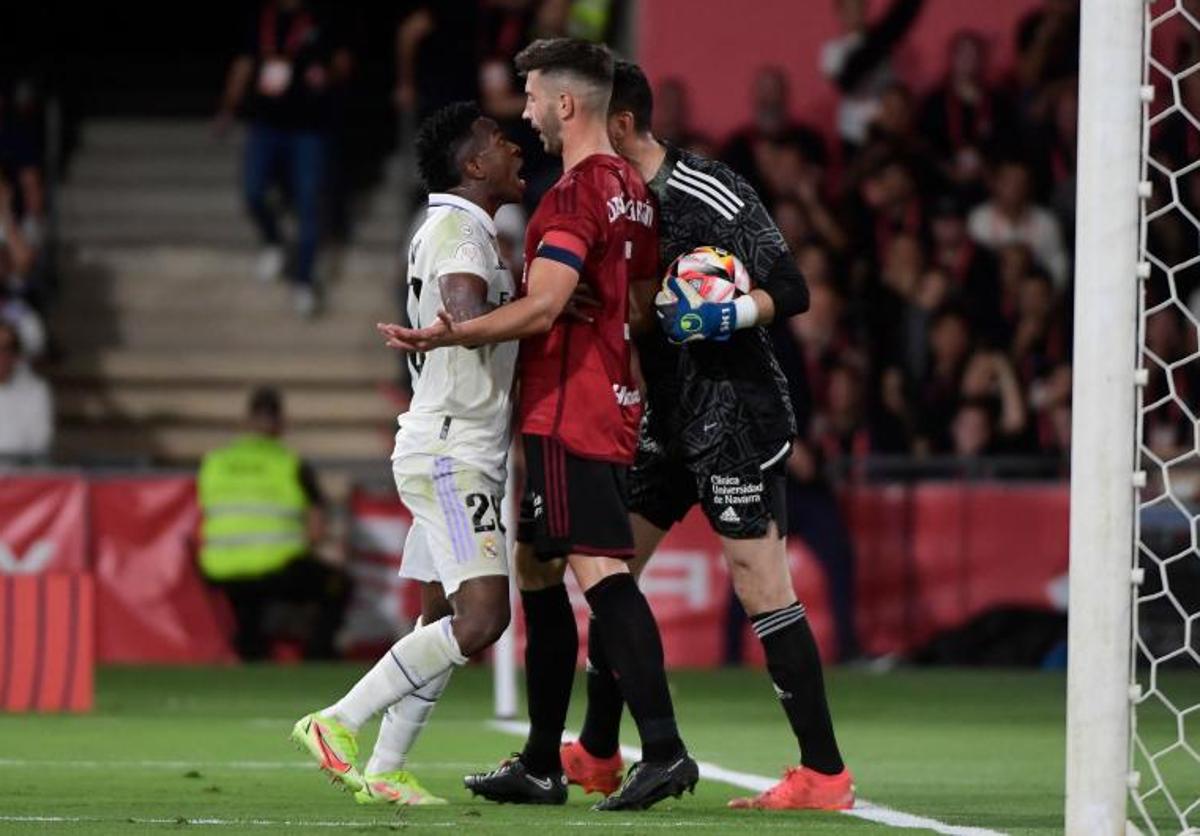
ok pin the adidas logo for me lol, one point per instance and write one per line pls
(729, 515)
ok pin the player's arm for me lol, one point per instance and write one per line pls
(464, 296)
(552, 279)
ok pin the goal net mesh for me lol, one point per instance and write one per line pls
(1165, 751)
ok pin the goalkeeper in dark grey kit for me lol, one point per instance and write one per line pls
(717, 430)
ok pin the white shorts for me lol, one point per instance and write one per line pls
(456, 533)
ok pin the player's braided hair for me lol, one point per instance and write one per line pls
(439, 140)
(631, 92)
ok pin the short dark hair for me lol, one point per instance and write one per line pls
(439, 141)
(631, 92)
(267, 402)
(591, 62)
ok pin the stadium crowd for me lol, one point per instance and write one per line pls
(25, 401)
(933, 226)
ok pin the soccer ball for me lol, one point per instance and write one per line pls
(715, 274)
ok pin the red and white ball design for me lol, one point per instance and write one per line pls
(715, 274)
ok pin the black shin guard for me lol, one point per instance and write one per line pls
(795, 668)
(634, 651)
(601, 734)
(551, 645)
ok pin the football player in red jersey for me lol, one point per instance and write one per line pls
(578, 415)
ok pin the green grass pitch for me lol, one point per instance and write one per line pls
(170, 749)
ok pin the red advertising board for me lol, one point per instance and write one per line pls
(43, 524)
(152, 604)
(928, 558)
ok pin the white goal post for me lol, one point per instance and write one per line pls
(1133, 709)
(1103, 415)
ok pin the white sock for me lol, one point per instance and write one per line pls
(402, 724)
(413, 662)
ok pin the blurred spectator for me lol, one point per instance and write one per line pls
(20, 315)
(971, 269)
(1010, 216)
(21, 160)
(886, 203)
(964, 117)
(18, 241)
(27, 428)
(1041, 354)
(288, 74)
(264, 519)
(974, 430)
(894, 133)
(989, 378)
(436, 60)
(939, 390)
(749, 151)
(673, 119)
(1047, 53)
(859, 62)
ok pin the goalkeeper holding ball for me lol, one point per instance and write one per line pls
(717, 430)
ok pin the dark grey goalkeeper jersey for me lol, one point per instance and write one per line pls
(701, 394)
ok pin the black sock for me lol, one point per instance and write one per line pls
(795, 668)
(634, 651)
(601, 734)
(551, 645)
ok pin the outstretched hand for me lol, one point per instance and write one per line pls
(441, 333)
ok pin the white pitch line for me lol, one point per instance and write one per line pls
(203, 822)
(862, 809)
(597, 821)
(17, 763)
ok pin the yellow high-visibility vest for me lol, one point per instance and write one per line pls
(254, 509)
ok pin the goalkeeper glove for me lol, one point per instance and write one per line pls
(686, 316)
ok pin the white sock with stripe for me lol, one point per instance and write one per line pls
(413, 662)
(402, 723)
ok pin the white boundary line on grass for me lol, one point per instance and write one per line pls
(757, 783)
(22, 763)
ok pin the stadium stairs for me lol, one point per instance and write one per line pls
(163, 326)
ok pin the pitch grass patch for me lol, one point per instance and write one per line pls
(172, 748)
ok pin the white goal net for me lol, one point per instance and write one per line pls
(1164, 775)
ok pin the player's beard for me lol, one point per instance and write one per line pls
(551, 129)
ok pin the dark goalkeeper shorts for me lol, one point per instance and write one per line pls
(740, 487)
(572, 505)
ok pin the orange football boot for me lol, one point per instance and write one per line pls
(803, 789)
(602, 775)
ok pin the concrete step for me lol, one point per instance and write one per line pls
(142, 136)
(135, 199)
(186, 262)
(161, 231)
(278, 331)
(106, 285)
(216, 366)
(176, 443)
(229, 295)
(95, 170)
(358, 405)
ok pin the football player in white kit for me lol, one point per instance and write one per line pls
(449, 462)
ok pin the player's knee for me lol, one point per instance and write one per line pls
(479, 630)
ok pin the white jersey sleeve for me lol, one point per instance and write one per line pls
(461, 397)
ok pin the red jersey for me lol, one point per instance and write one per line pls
(576, 383)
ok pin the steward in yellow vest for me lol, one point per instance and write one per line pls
(263, 516)
(254, 509)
